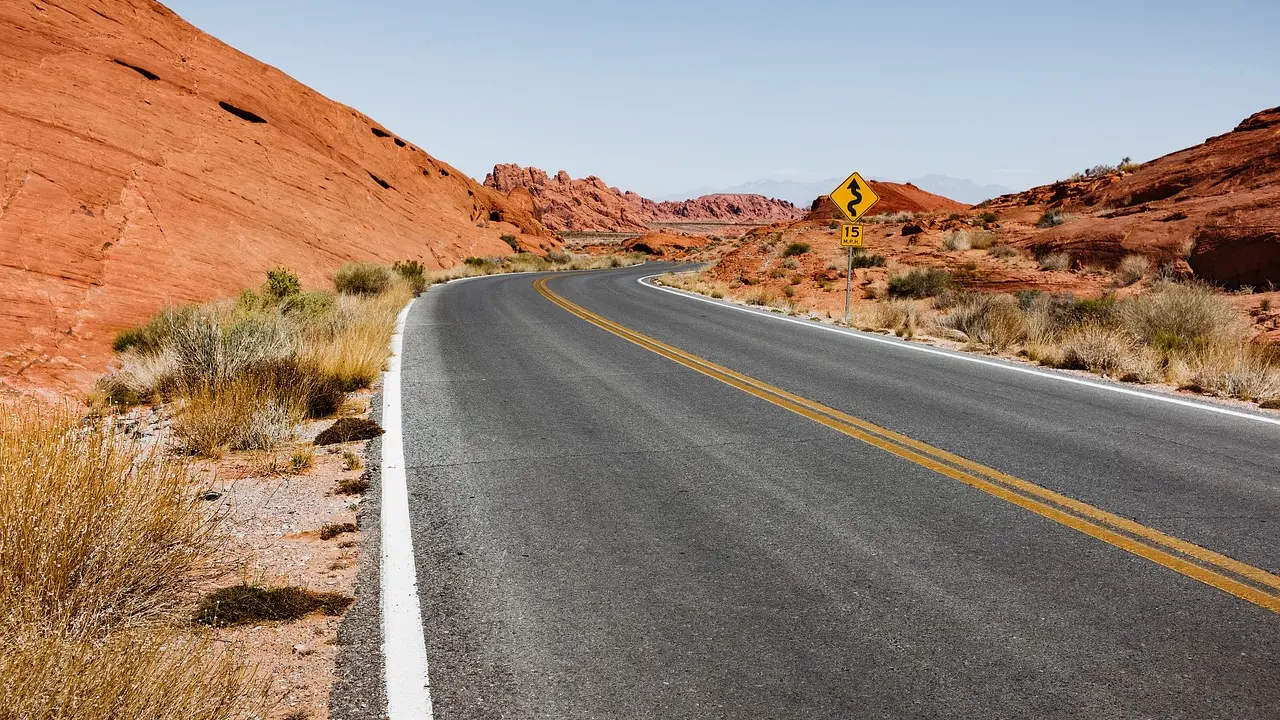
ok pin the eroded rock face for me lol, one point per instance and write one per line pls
(144, 163)
(664, 244)
(590, 204)
(1216, 204)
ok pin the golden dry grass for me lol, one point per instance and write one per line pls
(92, 531)
(101, 543)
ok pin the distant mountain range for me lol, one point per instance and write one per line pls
(803, 193)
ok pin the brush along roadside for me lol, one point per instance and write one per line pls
(1178, 332)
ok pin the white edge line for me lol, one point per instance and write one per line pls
(404, 647)
(868, 337)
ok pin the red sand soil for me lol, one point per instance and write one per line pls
(144, 163)
(589, 204)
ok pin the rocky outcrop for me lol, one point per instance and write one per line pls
(589, 204)
(144, 163)
(1216, 204)
(664, 244)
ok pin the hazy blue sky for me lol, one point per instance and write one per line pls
(664, 96)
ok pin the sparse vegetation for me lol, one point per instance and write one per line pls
(351, 461)
(1131, 269)
(362, 279)
(302, 459)
(891, 218)
(795, 248)
(412, 272)
(1054, 218)
(921, 283)
(511, 242)
(863, 259)
(960, 240)
(1002, 251)
(333, 530)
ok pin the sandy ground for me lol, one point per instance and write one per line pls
(272, 516)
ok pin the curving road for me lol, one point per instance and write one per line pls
(628, 503)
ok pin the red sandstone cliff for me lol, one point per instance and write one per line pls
(145, 163)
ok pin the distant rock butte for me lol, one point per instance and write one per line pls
(145, 163)
(894, 198)
(562, 203)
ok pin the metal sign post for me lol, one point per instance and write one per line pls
(854, 197)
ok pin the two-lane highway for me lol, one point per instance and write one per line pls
(628, 503)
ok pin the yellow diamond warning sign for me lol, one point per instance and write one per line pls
(854, 197)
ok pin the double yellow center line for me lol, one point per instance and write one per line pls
(1229, 575)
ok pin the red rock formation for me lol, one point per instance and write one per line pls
(145, 163)
(664, 244)
(1217, 204)
(589, 204)
(894, 198)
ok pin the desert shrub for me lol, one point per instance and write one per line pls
(996, 321)
(1128, 165)
(1055, 261)
(354, 485)
(1002, 251)
(1132, 269)
(833, 225)
(863, 259)
(1097, 311)
(921, 283)
(1106, 351)
(795, 248)
(413, 273)
(1054, 218)
(558, 257)
(790, 264)
(759, 297)
(351, 461)
(235, 416)
(361, 279)
(987, 217)
(152, 336)
(904, 317)
(209, 351)
(333, 530)
(1245, 371)
(476, 262)
(240, 604)
(511, 241)
(789, 291)
(307, 305)
(956, 240)
(796, 279)
(281, 283)
(891, 218)
(777, 273)
(1180, 318)
(1099, 171)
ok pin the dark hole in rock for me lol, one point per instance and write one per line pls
(241, 113)
(444, 173)
(399, 142)
(141, 71)
(380, 132)
(385, 185)
(495, 216)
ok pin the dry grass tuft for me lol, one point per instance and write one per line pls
(996, 321)
(91, 532)
(1055, 261)
(1132, 269)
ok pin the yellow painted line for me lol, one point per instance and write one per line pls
(1171, 552)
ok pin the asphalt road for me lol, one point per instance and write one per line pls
(602, 532)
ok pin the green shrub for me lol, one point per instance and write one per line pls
(476, 262)
(308, 305)
(921, 283)
(1097, 311)
(795, 248)
(281, 283)
(1055, 261)
(511, 242)
(412, 272)
(361, 279)
(150, 337)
